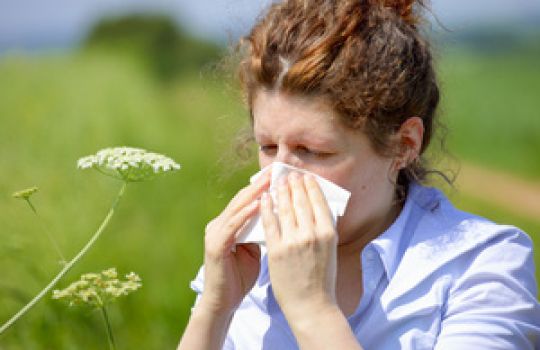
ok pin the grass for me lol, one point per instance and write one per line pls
(491, 106)
(56, 109)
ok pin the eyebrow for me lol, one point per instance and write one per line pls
(299, 139)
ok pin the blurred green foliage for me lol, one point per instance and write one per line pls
(156, 40)
(55, 109)
(491, 106)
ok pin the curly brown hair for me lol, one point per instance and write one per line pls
(367, 58)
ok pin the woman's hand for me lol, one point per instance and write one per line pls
(228, 274)
(302, 248)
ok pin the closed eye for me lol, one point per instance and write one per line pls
(267, 149)
(271, 149)
(309, 151)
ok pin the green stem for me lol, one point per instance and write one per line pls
(112, 345)
(31, 205)
(67, 266)
(47, 232)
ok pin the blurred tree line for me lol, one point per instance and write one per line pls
(156, 41)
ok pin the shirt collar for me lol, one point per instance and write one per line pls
(392, 243)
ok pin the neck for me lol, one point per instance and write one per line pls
(350, 250)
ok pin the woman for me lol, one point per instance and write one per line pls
(346, 90)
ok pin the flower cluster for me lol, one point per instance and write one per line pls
(128, 164)
(26, 193)
(97, 289)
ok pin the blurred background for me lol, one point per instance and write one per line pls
(78, 76)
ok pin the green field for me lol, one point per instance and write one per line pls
(491, 106)
(55, 109)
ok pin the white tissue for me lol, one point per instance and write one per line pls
(337, 198)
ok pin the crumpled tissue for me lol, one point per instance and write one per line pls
(337, 198)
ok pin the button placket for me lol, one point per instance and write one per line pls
(370, 279)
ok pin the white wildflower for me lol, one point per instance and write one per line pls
(97, 289)
(132, 276)
(128, 164)
(110, 273)
(90, 276)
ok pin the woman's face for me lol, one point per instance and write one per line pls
(306, 133)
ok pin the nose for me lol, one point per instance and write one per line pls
(285, 155)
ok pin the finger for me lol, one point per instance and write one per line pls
(247, 195)
(321, 211)
(301, 202)
(269, 220)
(231, 226)
(287, 219)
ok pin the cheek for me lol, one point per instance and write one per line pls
(264, 160)
(372, 191)
(340, 177)
(368, 184)
(346, 175)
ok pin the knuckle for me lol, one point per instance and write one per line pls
(211, 252)
(277, 254)
(208, 241)
(210, 225)
(328, 235)
(303, 244)
(209, 247)
(305, 239)
(230, 226)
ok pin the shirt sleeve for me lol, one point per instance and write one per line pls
(493, 304)
(197, 285)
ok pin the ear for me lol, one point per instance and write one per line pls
(409, 140)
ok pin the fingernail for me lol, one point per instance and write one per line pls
(283, 181)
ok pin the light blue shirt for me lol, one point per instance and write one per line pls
(437, 278)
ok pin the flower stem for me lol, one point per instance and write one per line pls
(47, 232)
(67, 266)
(112, 345)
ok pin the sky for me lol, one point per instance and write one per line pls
(62, 23)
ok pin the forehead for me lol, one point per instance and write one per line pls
(283, 115)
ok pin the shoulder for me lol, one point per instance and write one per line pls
(442, 242)
(489, 276)
(446, 234)
(482, 275)
(440, 229)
